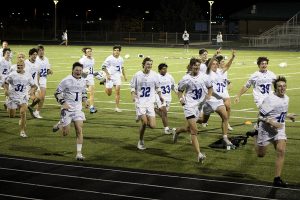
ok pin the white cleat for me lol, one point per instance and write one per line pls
(141, 145)
(167, 131)
(204, 125)
(118, 110)
(80, 157)
(175, 135)
(37, 115)
(23, 134)
(230, 128)
(201, 158)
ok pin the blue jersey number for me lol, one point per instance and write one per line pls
(118, 68)
(76, 96)
(197, 93)
(281, 117)
(145, 92)
(265, 88)
(19, 88)
(221, 87)
(43, 73)
(165, 89)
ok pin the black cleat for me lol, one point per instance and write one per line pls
(31, 111)
(278, 182)
(252, 133)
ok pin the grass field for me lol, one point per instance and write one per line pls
(110, 138)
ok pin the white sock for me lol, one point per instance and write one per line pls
(79, 147)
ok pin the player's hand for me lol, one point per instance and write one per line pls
(108, 77)
(292, 116)
(6, 93)
(49, 71)
(236, 100)
(182, 101)
(66, 106)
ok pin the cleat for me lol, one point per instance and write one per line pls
(278, 182)
(5, 106)
(167, 131)
(204, 125)
(201, 158)
(56, 127)
(175, 135)
(31, 111)
(141, 145)
(252, 133)
(37, 115)
(80, 157)
(93, 110)
(23, 134)
(118, 110)
(228, 144)
(230, 128)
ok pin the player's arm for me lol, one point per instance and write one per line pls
(85, 98)
(5, 86)
(291, 116)
(104, 68)
(242, 91)
(60, 97)
(270, 121)
(133, 91)
(228, 64)
(124, 75)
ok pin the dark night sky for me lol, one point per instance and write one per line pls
(72, 7)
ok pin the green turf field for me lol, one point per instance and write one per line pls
(110, 138)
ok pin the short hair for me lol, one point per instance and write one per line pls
(146, 60)
(278, 79)
(5, 50)
(32, 51)
(85, 48)
(219, 58)
(162, 65)
(201, 51)
(261, 59)
(77, 64)
(40, 46)
(117, 47)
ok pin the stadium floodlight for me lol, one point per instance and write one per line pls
(55, 2)
(210, 8)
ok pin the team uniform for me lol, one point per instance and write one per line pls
(262, 85)
(275, 108)
(203, 68)
(89, 64)
(43, 66)
(219, 91)
(145, 87)
(32, 69)
(71, 91)
(167, 84)
(18, 92)
(5, 68)
(114, 67)
(196, 88)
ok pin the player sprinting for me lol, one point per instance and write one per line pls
(167, 84)
(143, 86)
(88, 62)
(114, 69)
(261, 81)
(193, 89)
(16, 89)
(44, 70)
(70, 93)
(271, 129)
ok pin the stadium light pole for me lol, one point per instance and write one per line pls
(210, 7)
(55, 2)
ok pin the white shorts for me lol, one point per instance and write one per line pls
(211, 106)
(112, 82)
(224, 95)
(158, 103)
(90, 80)
(145, 110)
(191, 112)
(266, 134)
(13, 103)
(43, 82)
(66, 117)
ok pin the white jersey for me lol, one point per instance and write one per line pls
(18, 84)
(185, 37)
(145, 86)
(72, 90)
(219, 81)
(166, 83)
(43, 65)
(88, 63)
(32, 69)
(203, 68)
(195, 88)
(114, 66)
(276, 108)
(4, 67)
(262, 85)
